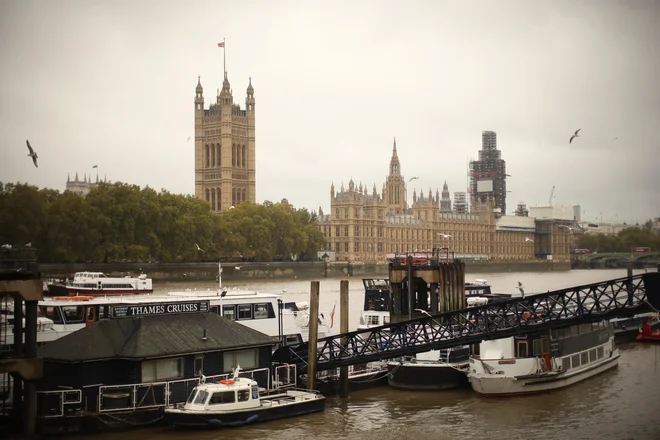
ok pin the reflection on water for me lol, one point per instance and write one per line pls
(623, 403)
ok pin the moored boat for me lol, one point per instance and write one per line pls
(97, 283)
(237, 402)
(432, 370)
(646, 332)
(543, 361)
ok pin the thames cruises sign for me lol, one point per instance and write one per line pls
(160, 309)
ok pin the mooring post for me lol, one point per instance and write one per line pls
(629, 283)
(313, 334)
(411, 303)
(343, 328)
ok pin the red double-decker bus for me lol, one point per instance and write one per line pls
(641, 250)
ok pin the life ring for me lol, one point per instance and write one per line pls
(227, 381)
(73, 298)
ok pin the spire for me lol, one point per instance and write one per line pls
(395, 167)
(250, 89)
(68, 177)
(76, 177)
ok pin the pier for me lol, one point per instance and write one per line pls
(595, 302)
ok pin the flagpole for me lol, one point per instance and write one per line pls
(224, 57)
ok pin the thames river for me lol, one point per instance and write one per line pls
(623, 403)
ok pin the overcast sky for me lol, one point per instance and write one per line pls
(112, 84)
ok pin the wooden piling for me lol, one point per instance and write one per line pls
(313, 334)
(343, 328)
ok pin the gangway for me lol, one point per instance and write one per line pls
(615, 298)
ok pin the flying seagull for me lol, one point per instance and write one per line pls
(444, 235)
(412, 178)
(521, 289)
(188, 137)
(528, 239)
(199, 248)
(32, 154)
(575, 135)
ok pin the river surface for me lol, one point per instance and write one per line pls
(623, 403)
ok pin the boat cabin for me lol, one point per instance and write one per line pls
(238, 393)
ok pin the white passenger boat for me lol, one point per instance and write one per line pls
(543, 361)
(97, 283)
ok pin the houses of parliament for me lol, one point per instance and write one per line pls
(365, 225)
(224, 148)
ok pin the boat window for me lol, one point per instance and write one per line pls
(292, 339)
(575, 360)
(162, 369)
(245, 311)
(592, 355)
(601, 352)
(386, 319)
(260, 311)
(104, 312)
(222, 397)
(372, 320)
(52, 313)
(537, 346)
(199, 364)
(566, 363)
(584, 357)
(247, 359)
(191, 398)
(522, 349)
(229, 313)
(73, 314)
(243, 395)
(214, 309)
(201, 397)
(545, 342)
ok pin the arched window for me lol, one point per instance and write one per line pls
(244, 194)
(213, 199)
(233, 155)
(233, 196)
(206, 155)
(212, 156)
(244, 157)
(218, 193)
(208, 195)
(219, 156)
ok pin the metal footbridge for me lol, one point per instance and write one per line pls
(616, 298)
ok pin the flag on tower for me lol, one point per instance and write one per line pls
(221, 44)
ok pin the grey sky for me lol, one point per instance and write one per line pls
(112, 83)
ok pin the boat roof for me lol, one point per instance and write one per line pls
(150, 298)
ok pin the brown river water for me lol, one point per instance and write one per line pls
(623, 403)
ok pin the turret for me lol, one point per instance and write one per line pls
(199, 95)
(249, 101)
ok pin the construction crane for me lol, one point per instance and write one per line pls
(551, 194)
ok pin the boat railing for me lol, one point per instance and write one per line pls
(58, 403)
(149, 395)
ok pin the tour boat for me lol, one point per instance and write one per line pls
(97, 283)
(237, 402)
(543, 361)
(646, 332)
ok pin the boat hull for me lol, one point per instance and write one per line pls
(427, 376)
(208, 420)
(503, 386)
(329, 385)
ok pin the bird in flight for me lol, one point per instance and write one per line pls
(575, 135)
(528, 239)
(412, 178)
(521, 289)
(188, 137)
(444, 235)
(199, 248)
(32, 154)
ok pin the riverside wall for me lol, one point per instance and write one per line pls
(286, 270)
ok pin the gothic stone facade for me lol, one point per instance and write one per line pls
(363, 226)
(225, 172)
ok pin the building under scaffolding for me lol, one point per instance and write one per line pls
(20, 290)
(488, 175)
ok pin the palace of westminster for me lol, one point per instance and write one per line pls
(368, 226)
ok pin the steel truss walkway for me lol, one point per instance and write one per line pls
(576, 305)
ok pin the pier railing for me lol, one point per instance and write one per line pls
(582, 304)
(141, 396)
